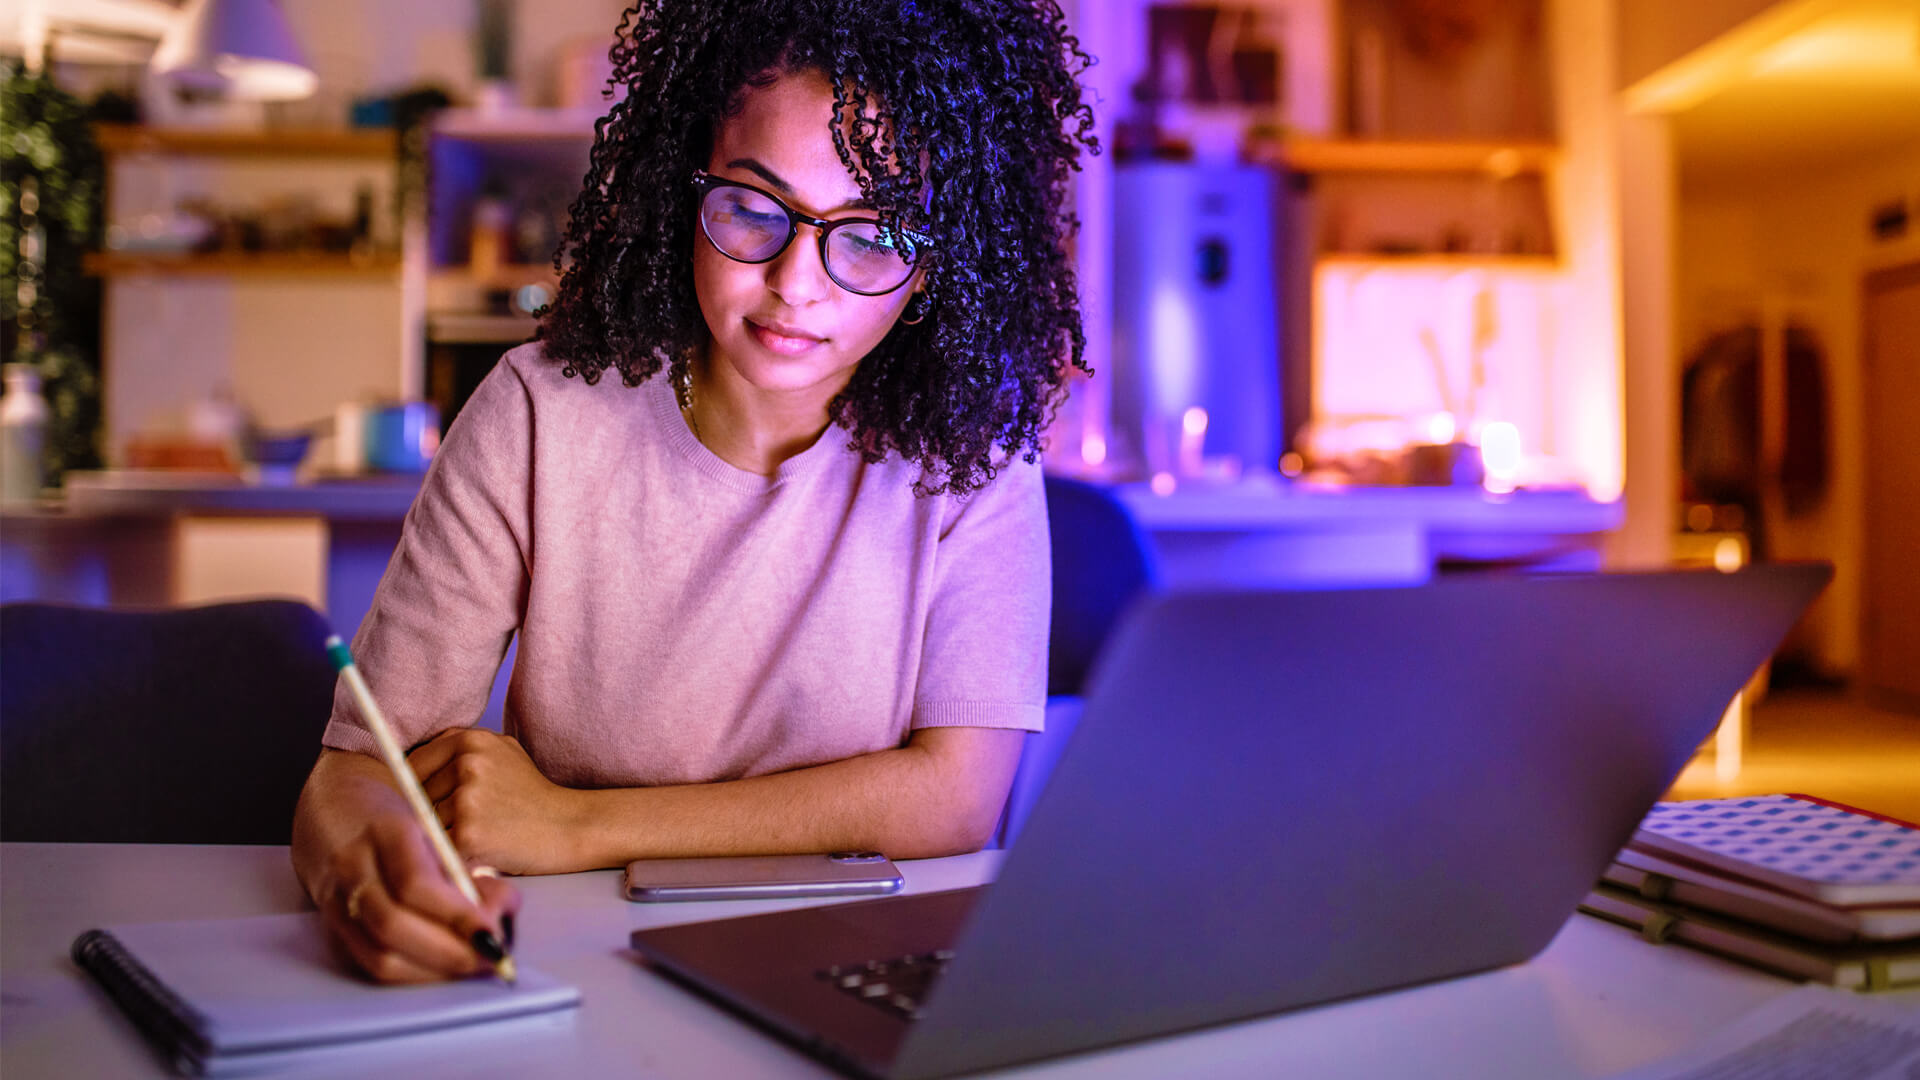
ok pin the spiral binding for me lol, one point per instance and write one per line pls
(176, 1027)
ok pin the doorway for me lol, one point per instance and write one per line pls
(1890, 612)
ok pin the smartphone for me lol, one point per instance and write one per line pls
(762, 877)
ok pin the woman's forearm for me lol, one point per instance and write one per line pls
(939, 795)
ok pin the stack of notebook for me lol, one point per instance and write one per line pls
(1798, 885)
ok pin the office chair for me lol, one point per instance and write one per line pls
(1101, 562)
(186, 725)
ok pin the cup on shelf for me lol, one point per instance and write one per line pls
(402, 437)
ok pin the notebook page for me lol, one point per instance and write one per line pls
(1813, 1032)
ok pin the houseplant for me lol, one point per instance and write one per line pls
(50, 216)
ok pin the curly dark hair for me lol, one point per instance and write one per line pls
(967, 125)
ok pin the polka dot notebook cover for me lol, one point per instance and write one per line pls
(1795, 843)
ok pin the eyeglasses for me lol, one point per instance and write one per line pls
(748, 225)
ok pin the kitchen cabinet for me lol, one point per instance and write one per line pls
(499, 184)
(291, 333)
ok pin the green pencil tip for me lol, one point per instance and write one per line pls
(337, 652)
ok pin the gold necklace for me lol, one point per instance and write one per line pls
(683, 396)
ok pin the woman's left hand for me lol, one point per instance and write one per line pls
(497, 806)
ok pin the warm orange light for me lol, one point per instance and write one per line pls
(1535, 344)
(1504, 164)
(1727, 555)
(1729, 740)
(1857, 43)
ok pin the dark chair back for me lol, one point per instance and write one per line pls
(1101, 561)
(194, 725)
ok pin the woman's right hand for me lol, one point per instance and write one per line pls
(372, 872)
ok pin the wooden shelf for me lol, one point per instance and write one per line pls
(517, 125)
(469, 328)
(1498, 159)
(291, 263)
(374, 143)
(507, 276)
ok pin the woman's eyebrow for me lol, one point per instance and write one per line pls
(753, 166)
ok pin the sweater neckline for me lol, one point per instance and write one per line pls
(666, 409)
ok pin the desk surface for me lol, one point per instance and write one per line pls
(1597, 1001)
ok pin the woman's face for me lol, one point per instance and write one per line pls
(784, 326)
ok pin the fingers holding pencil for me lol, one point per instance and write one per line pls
(486, 941)
(412, 875)
(401, 920)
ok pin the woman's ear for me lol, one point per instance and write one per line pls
(917, 307)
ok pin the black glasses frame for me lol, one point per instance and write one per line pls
(705, 182)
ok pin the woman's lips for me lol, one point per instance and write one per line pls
(789, 343)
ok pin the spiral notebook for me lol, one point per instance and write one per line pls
(226, 995)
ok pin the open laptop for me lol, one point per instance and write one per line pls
(1275, 800)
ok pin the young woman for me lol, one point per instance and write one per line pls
(783, 585)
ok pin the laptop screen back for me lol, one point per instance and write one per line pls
(1279, 799)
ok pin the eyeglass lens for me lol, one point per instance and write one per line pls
(750, 227)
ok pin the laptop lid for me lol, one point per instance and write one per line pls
(1280, 799)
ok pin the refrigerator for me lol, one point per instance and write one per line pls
(1196, 317)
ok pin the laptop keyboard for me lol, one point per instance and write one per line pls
(899, 986)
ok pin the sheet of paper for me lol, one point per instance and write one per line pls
(1813, 1033)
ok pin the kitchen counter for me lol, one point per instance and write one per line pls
(1268, 534)
(1253, 533)
(371, 498)
(1467, 509)
(125, 536)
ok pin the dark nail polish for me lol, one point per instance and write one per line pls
(488, 946)
(506, 927)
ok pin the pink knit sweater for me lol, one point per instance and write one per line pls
(683, 621)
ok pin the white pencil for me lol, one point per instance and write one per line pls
(396, 759)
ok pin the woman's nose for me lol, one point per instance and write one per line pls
(797, 275)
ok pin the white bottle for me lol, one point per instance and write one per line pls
(350, 437)
(23, 435)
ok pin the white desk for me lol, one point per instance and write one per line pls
(1596, 1002)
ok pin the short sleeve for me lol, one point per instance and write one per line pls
(984, 656)
(456, 587)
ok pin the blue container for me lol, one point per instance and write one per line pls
(403, 437)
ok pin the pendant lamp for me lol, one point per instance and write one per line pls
(235, 49)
